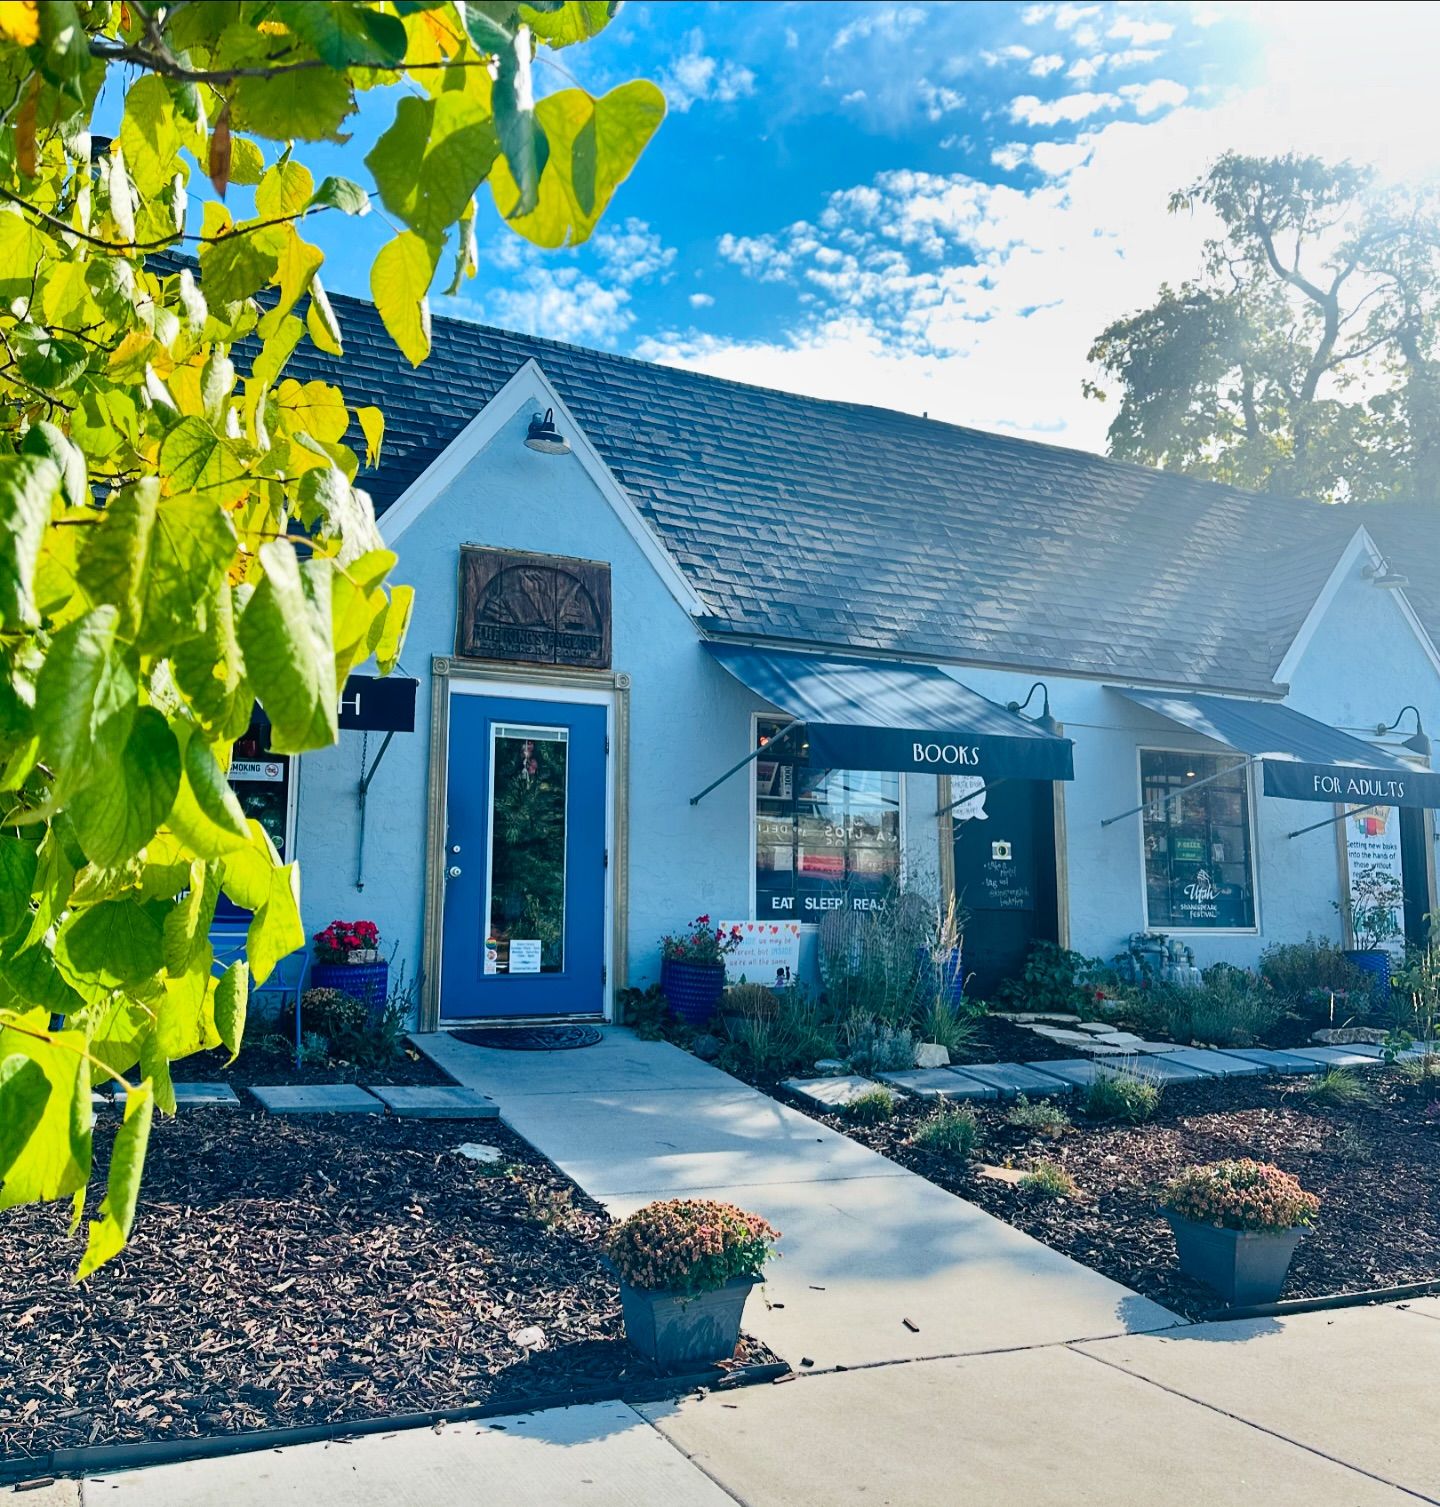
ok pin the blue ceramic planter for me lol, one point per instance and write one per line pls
(693, 990)
(1374, 963)
(367, 982)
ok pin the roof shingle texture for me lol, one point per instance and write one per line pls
(858, 527)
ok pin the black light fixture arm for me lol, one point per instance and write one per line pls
(1019, 706)
(1418, 741)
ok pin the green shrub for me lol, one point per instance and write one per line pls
(1231, 1008)
(1121, 1095)
(746, 998)
(1241, 1194)
(950, 1023)
(1041, 1118)
(1338, 1087)
(871, 1107)
(1305, 974)
(1049, 1180)
(1415, 1071)
(787, 1033)
(1054, 979)
(873, 1046)
(332, 1012)
(950, 1131)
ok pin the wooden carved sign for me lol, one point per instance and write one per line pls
(533, 609)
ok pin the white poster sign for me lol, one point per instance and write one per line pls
(1372, 841)
(769, 952)
(524, 955)
(269, 770)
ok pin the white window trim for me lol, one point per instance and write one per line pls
(755, 719)
(1254, 830)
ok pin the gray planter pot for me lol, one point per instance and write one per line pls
(675, 1331)
(1244, 1266)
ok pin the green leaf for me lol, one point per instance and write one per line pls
(245, 873)
(304, 105)
(489, 34)
(188, 920)
(206, 813)
(399, 281)
(126, 804)
(275, 931)
(24, 1091)
(18, 863)
(247, 161)
(372, 426)
(285, 636)
(115, 943)
(84, 700)
(45, 439)
(320, 321)
(235, 267)
(231, 997)
(32, 979)
(562, 25)
(47, 361)
(434, 156)
(209, 670)
(340, 193)
(191, 547)
(346, 35)
(393, 623)
(112, 562)
(54, 1160)
(521, 137)
(594, 145)
(284, 190)
(28, 484)
(333, 508)
(149, 135)
(109, 1233)
(196, 459)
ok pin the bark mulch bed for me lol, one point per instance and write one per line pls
(289, 1272)
(261, 1068)
(1376, 1169)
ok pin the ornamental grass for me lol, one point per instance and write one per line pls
(689, 1245)
(1240, 1195)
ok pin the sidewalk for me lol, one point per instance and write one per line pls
(867, 1244)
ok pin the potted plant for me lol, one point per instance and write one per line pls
(1372, 911)
(692, 969)
(347, 958)
(686, 1266)
(1236, 1226)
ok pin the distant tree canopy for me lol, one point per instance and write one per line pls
(1303, 358)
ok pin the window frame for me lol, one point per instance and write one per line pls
(1246, 766)
(756, 718)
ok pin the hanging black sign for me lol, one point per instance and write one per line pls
(1350, 784)
(378, 704)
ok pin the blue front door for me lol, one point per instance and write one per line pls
(525, 859)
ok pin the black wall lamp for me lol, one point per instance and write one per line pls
(544, 436)
(1045, 722)
(1418, 742)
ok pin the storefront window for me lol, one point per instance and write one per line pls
(1199, 870)
(825, 839)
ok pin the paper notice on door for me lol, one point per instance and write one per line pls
(524, 955)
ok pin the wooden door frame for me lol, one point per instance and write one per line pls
(614, 689)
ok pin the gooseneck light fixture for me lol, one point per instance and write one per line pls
(1045, 722)
(1418, 742)
(544, 436)
(1384, 576)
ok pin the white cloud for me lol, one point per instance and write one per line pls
(1066, 16)
(701, 301)
(695, 77)
(938, 100)
(886, 24)
(1137, 32)
(1132, 57)
(1082, 70)
(1046, 64)
(1015, 52)
(1158, 94)
(1010, 156)
(1031, 111)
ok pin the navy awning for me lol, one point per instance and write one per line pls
(873, 714)
(1302, 759)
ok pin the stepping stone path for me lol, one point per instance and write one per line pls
(940, 1083)
(444, 1102)
(319, 1099)
(1080, 1072)
(1358, 1056)
(1217, 1064)
(1272, 1061)
(1012, 1078)
(187, 1096)
(830, 1093)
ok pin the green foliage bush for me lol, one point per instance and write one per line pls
(1338, 1088)
(1304, 975)
(1048, 1179)
(785, 1031)
(1121, 1095)
(1054, 979)
(1231, 1008)
(872, 1107)
(1040, 1117)
(950, 1131)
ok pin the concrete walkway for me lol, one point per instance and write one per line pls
(1319, 1410)
(878, 1264)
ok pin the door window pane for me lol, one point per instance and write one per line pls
(526, 909)
(1199, 871)
(825, 839)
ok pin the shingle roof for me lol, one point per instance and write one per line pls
(853, 526)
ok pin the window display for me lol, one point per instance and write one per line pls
(1199, 869)
(825, 839)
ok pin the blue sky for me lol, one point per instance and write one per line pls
(929, 206)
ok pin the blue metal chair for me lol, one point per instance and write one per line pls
(227, 937)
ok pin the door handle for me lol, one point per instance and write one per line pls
(453, 872)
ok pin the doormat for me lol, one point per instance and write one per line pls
(531, 1038)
